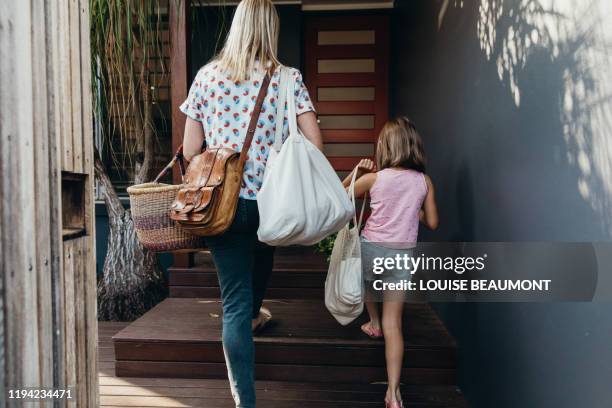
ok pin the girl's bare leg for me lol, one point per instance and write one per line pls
(374, 314)
(394, 346)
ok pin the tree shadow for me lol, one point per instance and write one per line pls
(570, 36)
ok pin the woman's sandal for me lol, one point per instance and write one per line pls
(263, 319)
(371, 332)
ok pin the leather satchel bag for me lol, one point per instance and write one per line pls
(206, 203)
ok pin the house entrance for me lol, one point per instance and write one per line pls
(346, 69)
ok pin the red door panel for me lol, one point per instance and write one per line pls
(347, 74)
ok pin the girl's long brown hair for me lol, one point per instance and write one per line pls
(400, 145)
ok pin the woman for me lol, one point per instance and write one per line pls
(218, 108)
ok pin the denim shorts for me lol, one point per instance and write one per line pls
(373, 256)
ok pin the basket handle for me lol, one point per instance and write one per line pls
(177, 157)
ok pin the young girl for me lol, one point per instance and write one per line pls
(401, 196)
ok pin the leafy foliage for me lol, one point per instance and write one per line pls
(126, 40)
(326, 245)
(126, 43)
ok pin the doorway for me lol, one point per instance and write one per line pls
(346, 69)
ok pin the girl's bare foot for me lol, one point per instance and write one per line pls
(393, 404)
(393, 399)
(372, 329)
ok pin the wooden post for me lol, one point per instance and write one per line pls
(18, 253)
(48, 325)
(89, 287)
(179, 86)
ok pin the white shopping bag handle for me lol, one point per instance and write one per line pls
(354, 201)
(293, 128)
(280, 107)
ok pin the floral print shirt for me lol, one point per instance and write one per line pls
(224, 108)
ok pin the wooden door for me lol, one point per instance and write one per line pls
(347, 74)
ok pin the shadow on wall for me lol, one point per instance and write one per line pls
(572, 40)
(514, 102)
(465, 203)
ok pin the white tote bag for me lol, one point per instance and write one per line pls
(301, 200)
(343, 285)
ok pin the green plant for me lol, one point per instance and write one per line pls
(126, 41)
(326, 245)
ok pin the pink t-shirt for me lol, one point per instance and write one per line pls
(396, 199)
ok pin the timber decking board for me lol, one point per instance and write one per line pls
(275, 293)
(276, 353)
(214, 393)
(293, 257)
(282, 372)
(296, 322)
(278, 392)
(281, 277)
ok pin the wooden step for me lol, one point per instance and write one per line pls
(276, 293)
(284, 283)
(299, 273)
(182, 338)
(298, 257)
(281, 277)
(210, 393)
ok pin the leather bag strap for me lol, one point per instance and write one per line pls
(177, 157)
(254, 118)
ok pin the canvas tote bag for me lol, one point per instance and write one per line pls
(343, 285)
(302, 199)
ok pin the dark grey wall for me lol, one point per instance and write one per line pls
(513, 160)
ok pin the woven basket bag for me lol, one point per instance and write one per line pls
(150, 205)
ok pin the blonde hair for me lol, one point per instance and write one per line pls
(400, 145)
(253, 36)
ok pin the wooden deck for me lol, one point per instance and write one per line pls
(182, 337)
(214, 393)
(304, 359)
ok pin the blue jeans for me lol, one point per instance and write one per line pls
(243, 266)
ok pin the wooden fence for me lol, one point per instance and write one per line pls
(48, 327)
